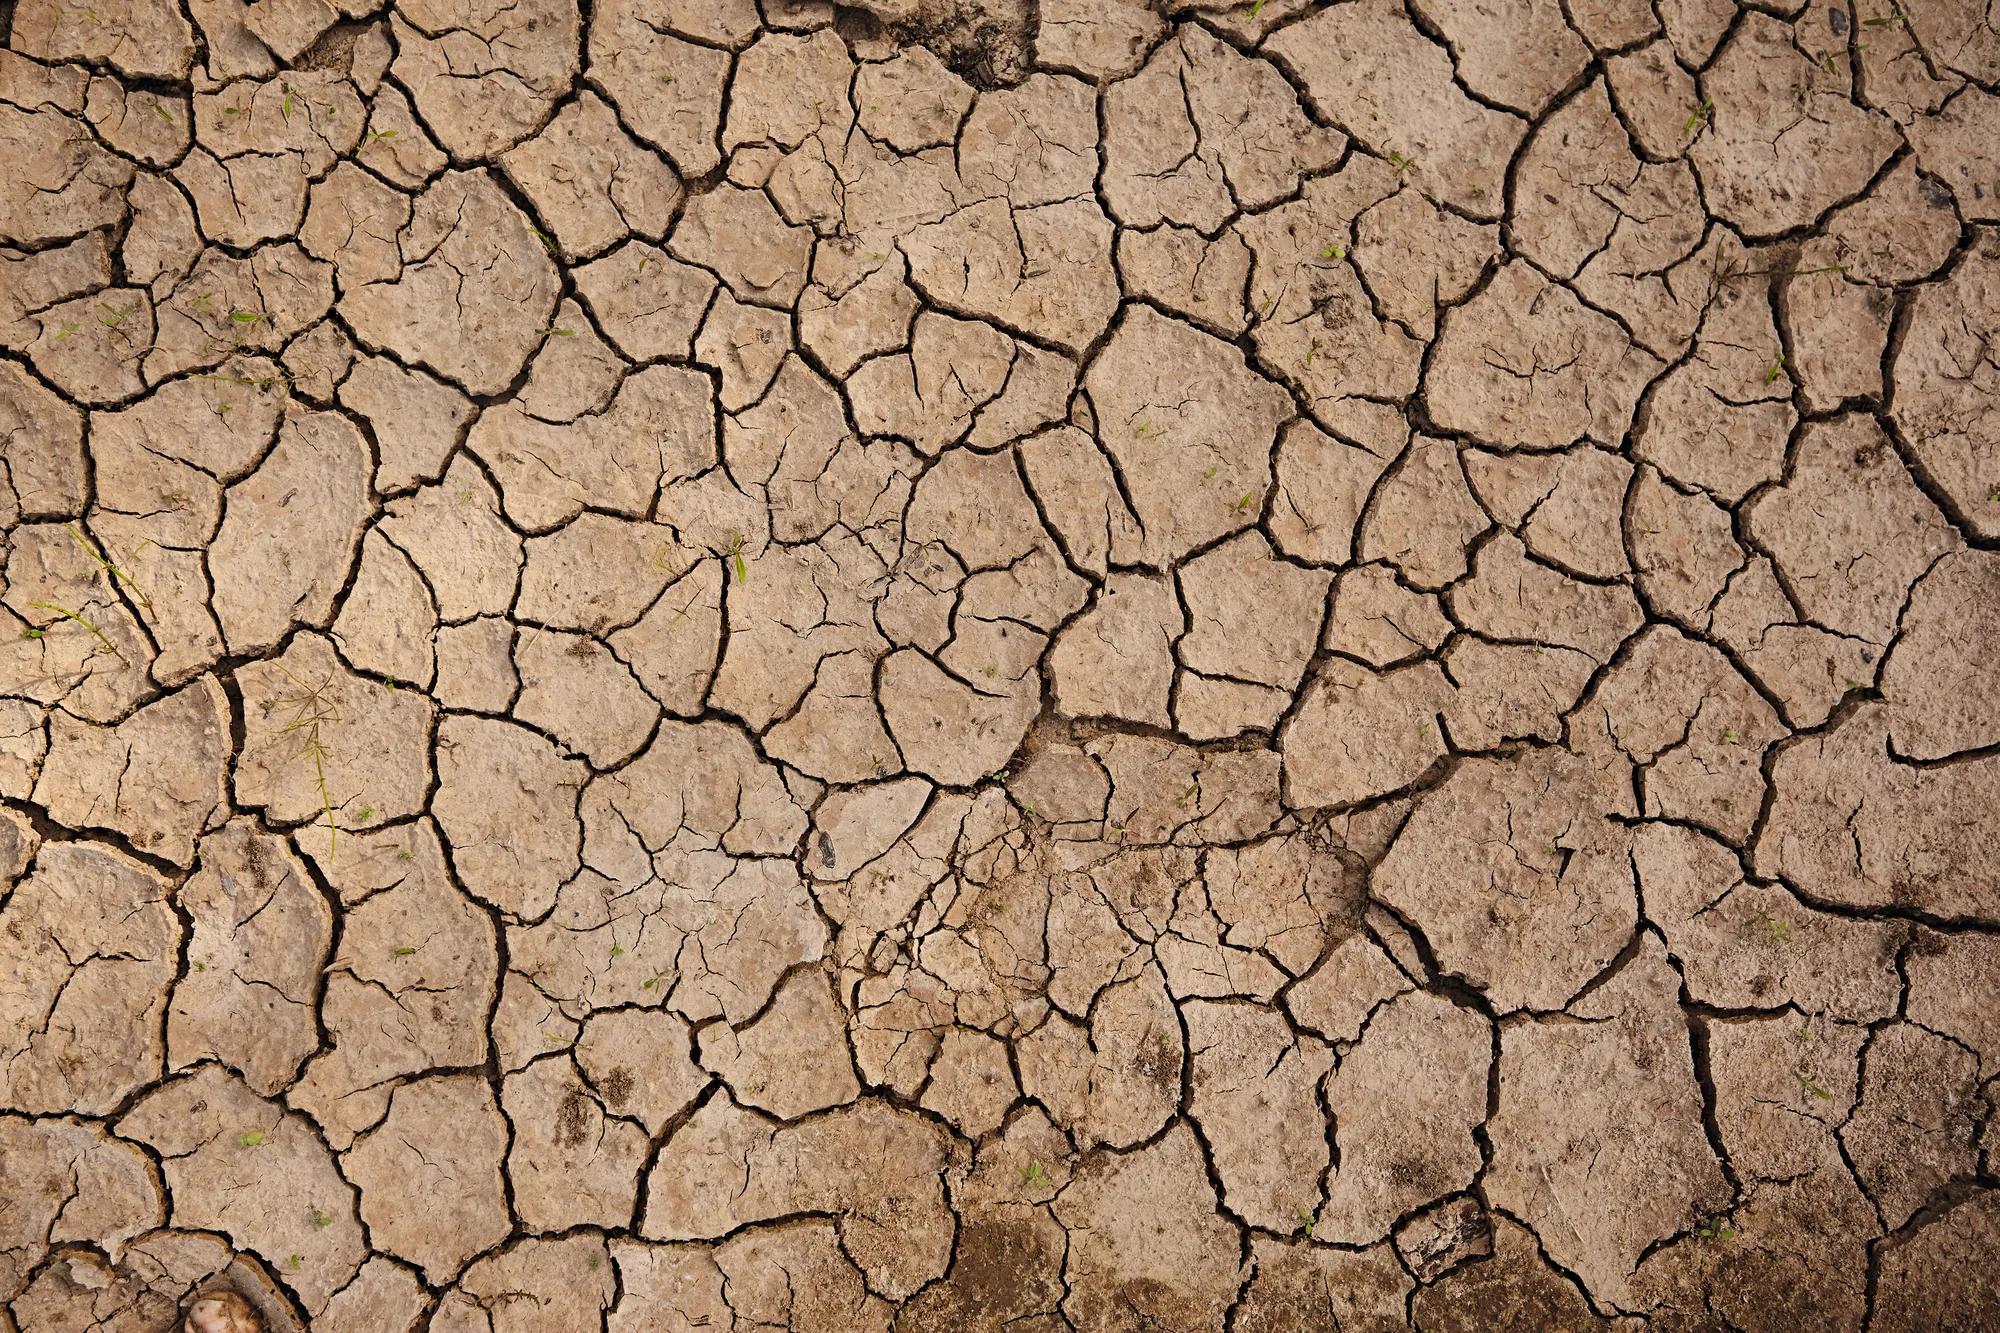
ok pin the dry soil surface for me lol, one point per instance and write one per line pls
(727, 665)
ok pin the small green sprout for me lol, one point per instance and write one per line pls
(735, 557)
(617, 951)
(1729, 736)
(293, 1262)
(1333, 250)
(1145, 429)
(1401, 163)
(30, 632)
(1697, 116)
(1777, 369)
(1193, 792)
(405, 854)
(285, 107)
(1243, 501)
(250, 1138)
(1032, 1175)
(160, 110)
(380, 136)
(1812, 1086)
(1715, 1228)
(319, 1219)
(364, 814)
(402, 951)
(1256, 8)
(1779, 931)
(1307, 1222)
(71, 615)
(64, 330)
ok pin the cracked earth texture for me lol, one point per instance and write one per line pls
(750, 665)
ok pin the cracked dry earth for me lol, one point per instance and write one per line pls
(687, 664)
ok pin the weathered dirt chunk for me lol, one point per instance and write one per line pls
(260, 935)
(1526, 364)
(97, 939)
(475, 292)
(1145, 1243)
(443, 1139)
(1628, 1079)
(1782, 140)
(506, 802)
(484, 75)
(156, 778)
(1518, 873)
(256, 1172)
(1370, 70)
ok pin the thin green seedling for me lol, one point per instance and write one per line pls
(1698, 116)
(402, 951)
(1033, 1176)
(318, 1217)
(1306, 1223)
(734, 555)
(250, 1138)
(310, 712)
(1715, 1228)
(1784, 272)
(1333, 250)
(1777, 369)
(112, 571)
(1812, 1086)
(68, 614)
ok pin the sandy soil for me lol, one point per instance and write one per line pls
(738, 665)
